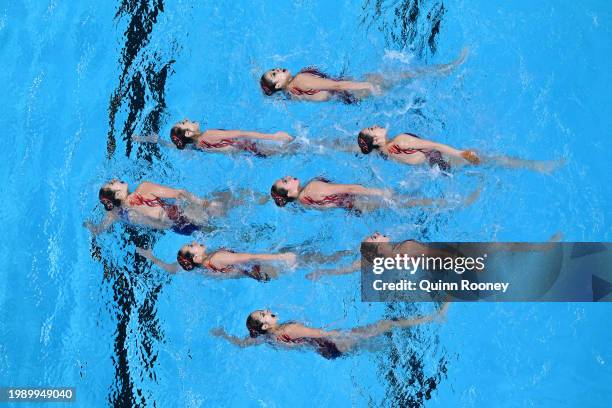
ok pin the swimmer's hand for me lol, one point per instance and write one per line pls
(557, 237)
(289, 257)
(374, 89)
(282, 137)
(187, 196)
(218, 332)
(315, 275)
(386, 193)
(153, 138)
(91, 227)
(441, 315)
(263, 199)
(470, 156)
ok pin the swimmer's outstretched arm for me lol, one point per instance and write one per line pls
(168, 192)
(152, 138)
(319, 258)
(233, 134)
(238, 258)
(238, 197)
(237, 341)
(146, 253)
(108, 220)
(324, 84)
(358, 189)
(337, 145)
(417, 143)
(354, 267)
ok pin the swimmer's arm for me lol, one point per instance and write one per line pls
(237, 341)
(416, 143)
(108, 220)
(354, 267)
(233, 134)
(324, 84)
(298, 330)
(168, 192)
(319, 258)
(358, 190)
(170, 268)
(246, 257)
(337, 145)
(152, 138)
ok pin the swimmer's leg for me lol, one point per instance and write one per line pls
(223, 201)
(283, 150)
(386, 82)
(319, 258)
(409, 202)
(545, 167)
(358, 334)
(440, 69)
(528, 246)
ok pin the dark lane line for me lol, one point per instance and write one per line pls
(143, 76)
(414, 366)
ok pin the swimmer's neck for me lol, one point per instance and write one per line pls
(385, 249)
(275, 330)
(300, 190)
(289, 81)
(384, 148)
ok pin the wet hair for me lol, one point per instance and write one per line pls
(185, 259)
(365, 142)
(280, 196)
(370, 250)
(177, 135)
(255, 326)
(106, 195)
(267, 86)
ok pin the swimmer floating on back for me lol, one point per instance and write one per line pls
(310, 84)
(149, 205)
(264, 327)
(410, 247)
(320, 193)
(408, 148)
(385, 248)
(186, 133)
(223, 263)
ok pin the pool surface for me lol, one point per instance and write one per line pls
(80, 79)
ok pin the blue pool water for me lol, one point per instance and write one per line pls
(78, 79)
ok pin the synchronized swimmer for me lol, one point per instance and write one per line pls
(187, 133)
(264, 328)
(224, 263)
(149, 205)
(161, 207)
(408, 148)
(311, 84)
(320, 193)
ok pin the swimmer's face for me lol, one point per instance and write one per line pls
(278, 76)
(289, 183)
(191, 128)
(119, 187)
(378, 133)
(266, 317)
(197, 250)
(377, 237)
